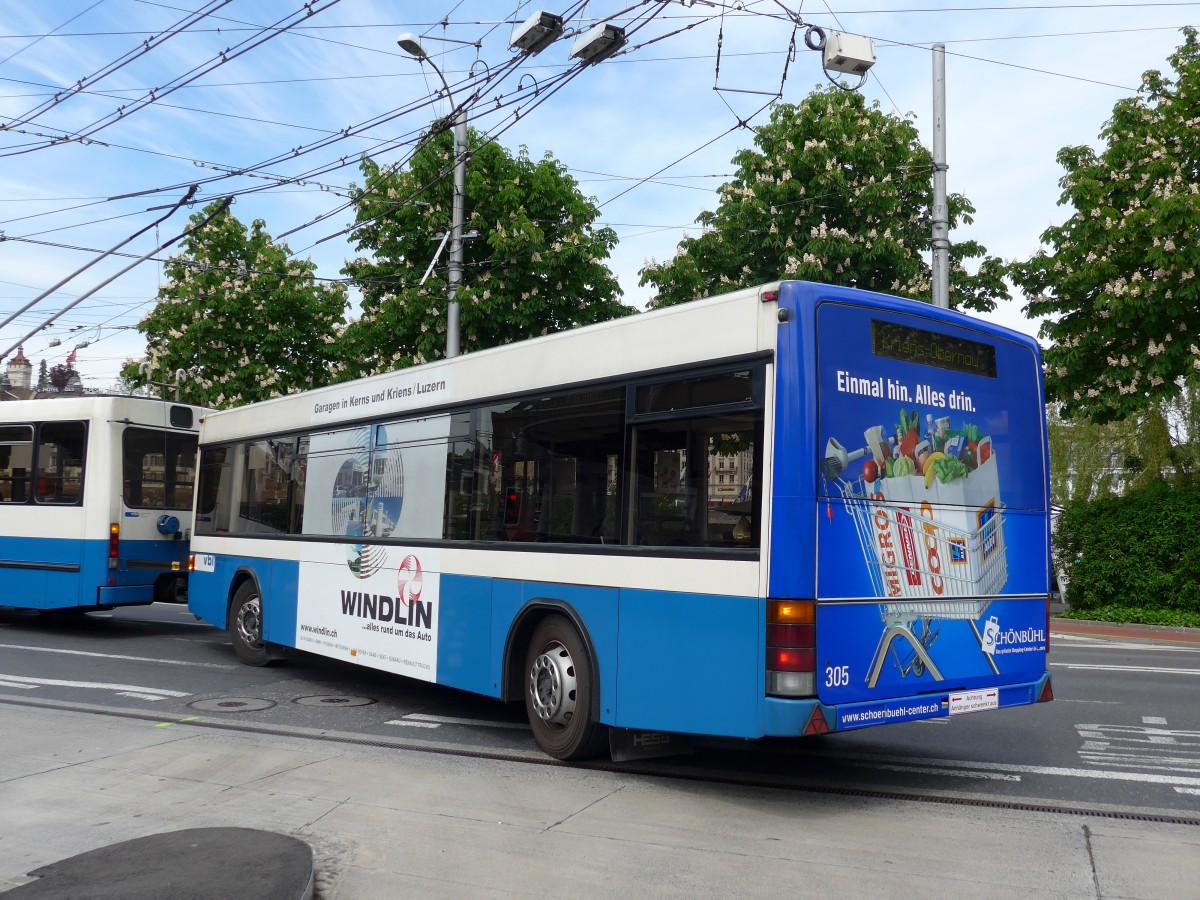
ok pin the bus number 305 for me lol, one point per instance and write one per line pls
(837, 676)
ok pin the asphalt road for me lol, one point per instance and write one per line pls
(1122, 736)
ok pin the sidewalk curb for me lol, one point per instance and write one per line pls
(1148, 632)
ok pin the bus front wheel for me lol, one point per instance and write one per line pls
(558, 692)
(245, 626)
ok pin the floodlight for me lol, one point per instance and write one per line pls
(536, 33)
(598, 44)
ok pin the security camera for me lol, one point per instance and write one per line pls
(849, 53)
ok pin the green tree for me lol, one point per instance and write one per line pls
(1118, 281)
(537, 265)
(60, 376)
(242, 320)
(1090, 460)
(1087, 460)
(834, 191)
(43, 379)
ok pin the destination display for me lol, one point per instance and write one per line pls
(928, 348)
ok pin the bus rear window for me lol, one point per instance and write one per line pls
(158, 469)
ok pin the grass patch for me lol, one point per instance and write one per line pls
(1134, 615)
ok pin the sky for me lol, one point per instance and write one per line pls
(275, 104)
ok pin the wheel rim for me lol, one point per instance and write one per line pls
(249, 622)
(552, 685)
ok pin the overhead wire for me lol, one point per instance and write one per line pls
(649, 179)
(223, 58)
(627, 60)
(39, 38)
(152, 43)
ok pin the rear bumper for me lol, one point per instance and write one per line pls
(125, 595)
(790, 718)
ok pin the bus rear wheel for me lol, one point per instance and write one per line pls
(558, 693)
(245, 626)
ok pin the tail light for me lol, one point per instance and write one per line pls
(791, 648)
(114, 544)
(1047, 693)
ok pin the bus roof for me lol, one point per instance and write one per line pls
(143, 410)
(727, 326)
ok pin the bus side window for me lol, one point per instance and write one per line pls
(214, 497)
(299, 480)
(696, 444)
(60, 453)
(555, 461)
(266, 484)
(16, 459)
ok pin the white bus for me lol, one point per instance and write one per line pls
(95, 501)
(787, 510)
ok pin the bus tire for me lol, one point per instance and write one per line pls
(558, 692)
(245, 625)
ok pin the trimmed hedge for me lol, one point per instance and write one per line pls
(1139, 550)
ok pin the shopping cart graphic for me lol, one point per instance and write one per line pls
(930, 565)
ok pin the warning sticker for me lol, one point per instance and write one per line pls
(974, 701)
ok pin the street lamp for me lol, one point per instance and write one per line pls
(411, 45)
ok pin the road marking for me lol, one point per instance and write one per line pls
(1132, 761)
(1148, 746)
(97, 685)
(1018, 769)
(1135, 733)
(1101, 702)
(939, 770)
(149, 659)
(1103, 668)
(139, 696)
(13, 684)
(1079, 642)
(180, 722)
(1195, 791)
(419, 720)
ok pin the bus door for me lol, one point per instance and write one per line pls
(54, 550)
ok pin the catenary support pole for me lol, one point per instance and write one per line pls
(941, 213)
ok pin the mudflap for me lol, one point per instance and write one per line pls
(627, 744)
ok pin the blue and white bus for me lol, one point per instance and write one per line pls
(787, 510)
(95, 501)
